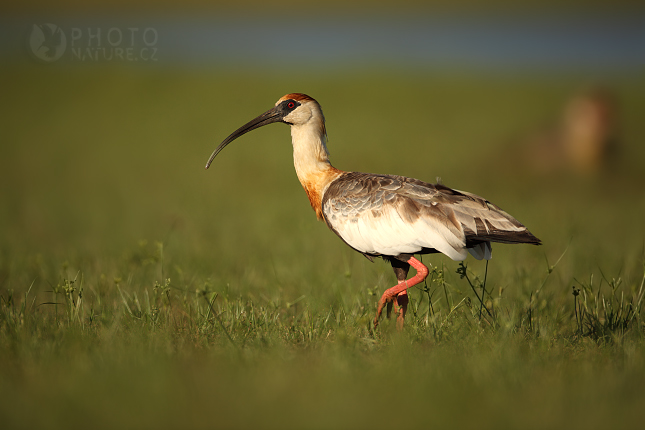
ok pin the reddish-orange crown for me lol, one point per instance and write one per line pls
(299, 97)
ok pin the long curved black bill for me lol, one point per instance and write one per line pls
(268, 117)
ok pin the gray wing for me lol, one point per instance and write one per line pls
(392, 215)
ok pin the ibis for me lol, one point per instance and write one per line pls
(387, 216)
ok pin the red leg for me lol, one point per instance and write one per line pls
(392, 302)
(401, 300)
(400, 291)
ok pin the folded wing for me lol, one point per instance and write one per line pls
(393, 215)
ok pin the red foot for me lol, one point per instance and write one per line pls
(394, 302)
(401, 300)
(397, 295)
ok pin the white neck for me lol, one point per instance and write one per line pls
(310, 155)
(311, 160)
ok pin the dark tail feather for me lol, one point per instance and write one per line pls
(524, 236)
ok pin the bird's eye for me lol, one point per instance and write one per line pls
(291, 105)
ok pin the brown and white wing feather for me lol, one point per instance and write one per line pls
(392, 215)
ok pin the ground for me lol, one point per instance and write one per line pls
(139, 290)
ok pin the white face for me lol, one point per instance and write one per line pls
(303, 113)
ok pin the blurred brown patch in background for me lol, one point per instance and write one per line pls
(583, 139)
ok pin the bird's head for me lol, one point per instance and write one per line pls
(294, 109)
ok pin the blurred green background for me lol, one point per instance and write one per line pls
(103, 198)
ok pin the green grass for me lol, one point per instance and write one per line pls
(138, 290)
